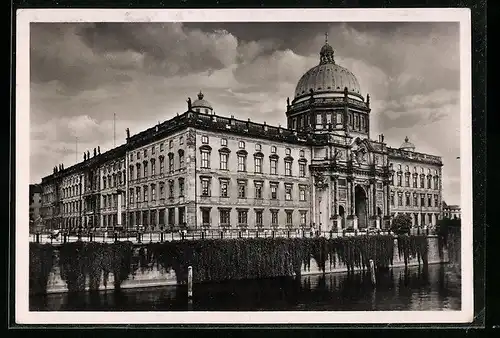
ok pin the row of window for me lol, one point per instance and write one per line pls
(72, 207)
(415, 170)
(146, 152)
(115, 167)
(147, 192)
(408, 201)
(157, 217)
(398, 180)
(225, 217)
(71, 191)
(224, 188)
(114, 180)
(111, 200)
(141, 170)
(258, 147)
(356, 121)
(258, 163)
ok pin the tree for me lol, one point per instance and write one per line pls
(401, 224)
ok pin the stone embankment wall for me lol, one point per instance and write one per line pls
(149, 274)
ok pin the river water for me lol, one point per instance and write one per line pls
(436, 288)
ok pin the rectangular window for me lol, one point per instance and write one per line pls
(205, 159)
(153, 192)
(242, 163)
(181, 187)
(429, 182)
(274, 217)
(242, 217)
(302, 194)
(162, 190)
(436, 183)
(153, 150)
(258, 165)
(274, 191)
(415, 181)
(289, 217)
(145, 153)
(258, 218)
(162, 165)
(153, 168)
(302, 170)
(241, 145)
(224, 188)
(274, 166)
(288, 168)
(429, 200)
(205, 187)
(146, 193)
(328, 118)
(303, 218)
(223, 161)
(408, 200)
(415, 200)
(242, 190)
(170, 144)
(223, 142)
(171, 189)
(131, 196)
(288, 192)
(181, 159)
(171, 164)
(171, 216)
(224, 217)
(407, 180)
(205, 216)
(145, 169)
(422, 181)
(422, 201)
(400, 200)
(436, 200)
(399, 180)
(138, 194)
(161, 146)
(319, 119)
(258, 190)
(204, 139)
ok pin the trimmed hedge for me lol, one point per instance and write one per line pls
(87, 263)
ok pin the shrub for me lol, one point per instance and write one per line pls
(401, 224)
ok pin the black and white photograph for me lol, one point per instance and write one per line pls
(243, 166)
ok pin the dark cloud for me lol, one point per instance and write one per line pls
(82, 73)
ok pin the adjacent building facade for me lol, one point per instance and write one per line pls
(201, 170)
(451, 211)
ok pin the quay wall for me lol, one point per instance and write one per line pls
(143, 273)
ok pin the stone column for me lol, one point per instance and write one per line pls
(313, 201)
(329, 204)
(352, 219)
(119, 209)
(387, 217)
(375, 218)
(337, 221)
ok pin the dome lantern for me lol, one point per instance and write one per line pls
(326, 54)
(201, 105)
(407, 145)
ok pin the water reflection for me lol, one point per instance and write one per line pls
(416, 288)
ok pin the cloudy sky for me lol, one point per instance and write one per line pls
(82, 73)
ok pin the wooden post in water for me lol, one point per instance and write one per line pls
(372, 271)
(190, 281)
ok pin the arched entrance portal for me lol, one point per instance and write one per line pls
(342, 216)
(360, 205)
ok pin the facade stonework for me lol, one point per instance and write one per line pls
(200, 170)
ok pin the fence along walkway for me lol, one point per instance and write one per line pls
(157, 237)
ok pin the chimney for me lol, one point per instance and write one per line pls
(95, 152)
(88, 154)
(99, 150)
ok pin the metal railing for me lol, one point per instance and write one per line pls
(109, 236)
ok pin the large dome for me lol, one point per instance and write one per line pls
(327, 77)
(201, 103)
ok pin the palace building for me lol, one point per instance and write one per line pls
(202, 170)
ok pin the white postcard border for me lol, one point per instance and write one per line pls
(26, 16)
